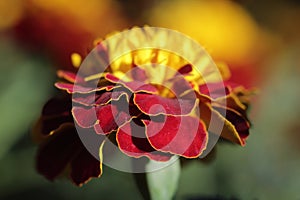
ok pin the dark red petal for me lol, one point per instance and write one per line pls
(104, 118)
(182, 135)
(85, 166)
(133, 86)
(55, 153)
(154, 105)
(185, 69)
(110, 118)
(218, 125)
(55, 112)
(111, 78)
(84, 117)
(57, 106)
(132, 141)
(234, 102)
(180, 86)
(102, 55)
(88, 99)
(68, 76)
(97, 98)
(49, 124)
(70, 88)
(215, 90)
(240, 123)
(138, 74)
(92, 99)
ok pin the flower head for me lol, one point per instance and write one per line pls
(151, 102)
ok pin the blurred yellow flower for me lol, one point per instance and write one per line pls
(224, 28)
(10, 13)
(90, 15)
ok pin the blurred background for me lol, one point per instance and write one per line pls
(258, 40)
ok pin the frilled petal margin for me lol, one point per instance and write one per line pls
(154, 105)
(104, 119)
(70, 88)
(157, 138)
(67, 75)
(240, 124)
(134, 86)
(216, 122)
(137, 145)
(65, 147)
(97, 99)
(182, 135)
(55, 112)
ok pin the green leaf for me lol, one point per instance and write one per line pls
(163, 182)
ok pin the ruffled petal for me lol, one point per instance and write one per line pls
(240, 124)
(185, 69)
(182, 135)
(58, 105)
(154, 105)
(138, 74)
(133, 86)
(133, 142)
(63, 148)
(214, 90)
(110, 118)
(71, 88)
(85, 166)
(68, 76)
(179, 86)
(84, 117)
(98, 98)
(57, 151)
(55, 112)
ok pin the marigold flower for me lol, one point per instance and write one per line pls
(147, 109)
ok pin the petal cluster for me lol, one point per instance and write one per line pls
(149, 111)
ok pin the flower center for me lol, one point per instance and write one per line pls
(164, 91)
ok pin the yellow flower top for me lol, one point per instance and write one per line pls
(161, 53)
(225, 28)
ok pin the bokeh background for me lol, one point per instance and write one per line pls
(258, 40)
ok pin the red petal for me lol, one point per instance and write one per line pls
(57, 106)
(102, 55)
(182, 135)
(214, 90)
(104, 118)
(69, 76)
(55, 153)
(154, 105)
(132, 141)
(138, 74)
(92, 99)
(71, 88)
(84, 117)
(49, 124)
(85, 166)
(109, 119)
(133, 86)
(99, 98)
(180, 86)
(241, 124)
(185, 69)
(55, 112)
(64, 147)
